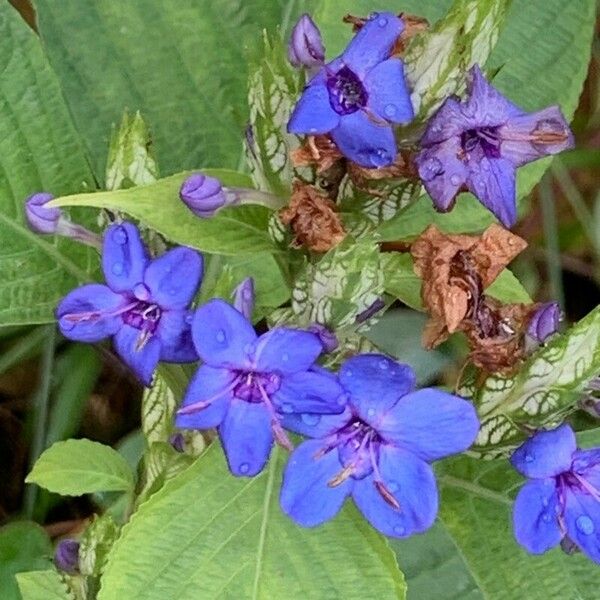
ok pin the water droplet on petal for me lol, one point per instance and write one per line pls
(485, 165)
(585, 525)
(118, 268)
(342, 399)
(436, 128)
(189, 319)
(381, 157)
(383, 364)
(312, 130)
(287, 408)
(173, 291)
(119, 236)
(431, 168)
(310, 419)
(529, 457)
(371, 412)
(390, 110)
(248, 348)
(244, 468)
(399, 530)
(546, 517)
(382, 22)
(285, 357)
(348, 373)
(393, 486)
(455, 180)
(220, 336)
(544, 501)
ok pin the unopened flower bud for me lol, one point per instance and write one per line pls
(544, 322)
(40, 218)
(66, 556)
(203, 195)
(305, 48)
(177, 441)
(243, 297)
(327, 337)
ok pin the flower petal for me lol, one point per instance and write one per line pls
(373, 43)
(207, 385)
(430, 423)
(388, 94)
(246, 437)
(174, 277)
(375, 383)
(315, 425)
(313, 114)
(582, 519)
(222, 336)
(412, 484)
(80, 313)
(527, 137)
(492, 180)
(286, 351)
(309, 392)
(535, 519)
(124, 257)
(448, 122)
(175, 335)
(306, 496)
(365, 142)
(546, 454)
(141, 357)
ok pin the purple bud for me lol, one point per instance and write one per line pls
(544, 322)
(305, 48)
(178, 442)
(370, 311)
(243, 297)
(66, 556)
(203, 195)
(327, 337)
(40, 218)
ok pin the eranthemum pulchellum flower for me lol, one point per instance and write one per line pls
(477, 145)
(562, 499)
(359, 95)
(249, 382)
(143, 306)
(377, 451)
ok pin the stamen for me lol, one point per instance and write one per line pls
(280, 435)
(387, 495)
(88, 316)
(588, 487)
(341, 476)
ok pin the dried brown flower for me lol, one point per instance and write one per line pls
(313, 219)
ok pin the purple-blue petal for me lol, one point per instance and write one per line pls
(174, 277)
(375, 383)
(367, 143)
(84, 315)
(535, 518)
(313, 113)
(546, 454)
(305, 495)
(430, 423)
(246, 437)
(309, 392)
(316, 425)
(286, 351)
(373, 43)
(412, 484)
(141, 356)
(175, 335)
(388, 94)
(211, 385)
(448, 122)
(305, 48)
(544, 322)
(222, 336)
(582, 520)
(124, 257)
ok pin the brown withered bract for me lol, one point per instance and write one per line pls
(313, 219)
(456, 270)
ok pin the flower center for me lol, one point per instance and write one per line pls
(252, 387)
(485, 138)
(143, 316)
(346, 92)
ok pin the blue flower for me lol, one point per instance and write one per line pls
(562, 498)
(377, 451)
(359, 95)
(305, 48)
(144, 305)
(477, 145)
(248, 382)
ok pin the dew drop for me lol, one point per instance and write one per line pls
(244, 468)
(310, 419)
(455, 180)
(220, 336)
(382, 22)
(383, 364)
(287, 408)
(390, 110)
(348, 373)
(399, 530)
(173, 291)
(119, 236)
(585, 525)
(485, 165)
(312, 130)
(371, 412)
(342, 399)
(248, 348)
(546, 517)
(189, 319)
(529, 457)
(431, 168)
(393, 486)
(436, 128)
(285, 357)
(380, 157)
(544, 501)
(118, 268)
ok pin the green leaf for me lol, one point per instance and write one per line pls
(24, 546)
(207, 534)
(344, 282)
(95, 543)
(158, 406)
(77, 467)
(437, 60)
(183, 64)
(131, 159)
(233, 230)
(273, 88)
(39, 150)
(545, 389)
(43, 585)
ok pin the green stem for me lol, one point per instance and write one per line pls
(42, 401)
